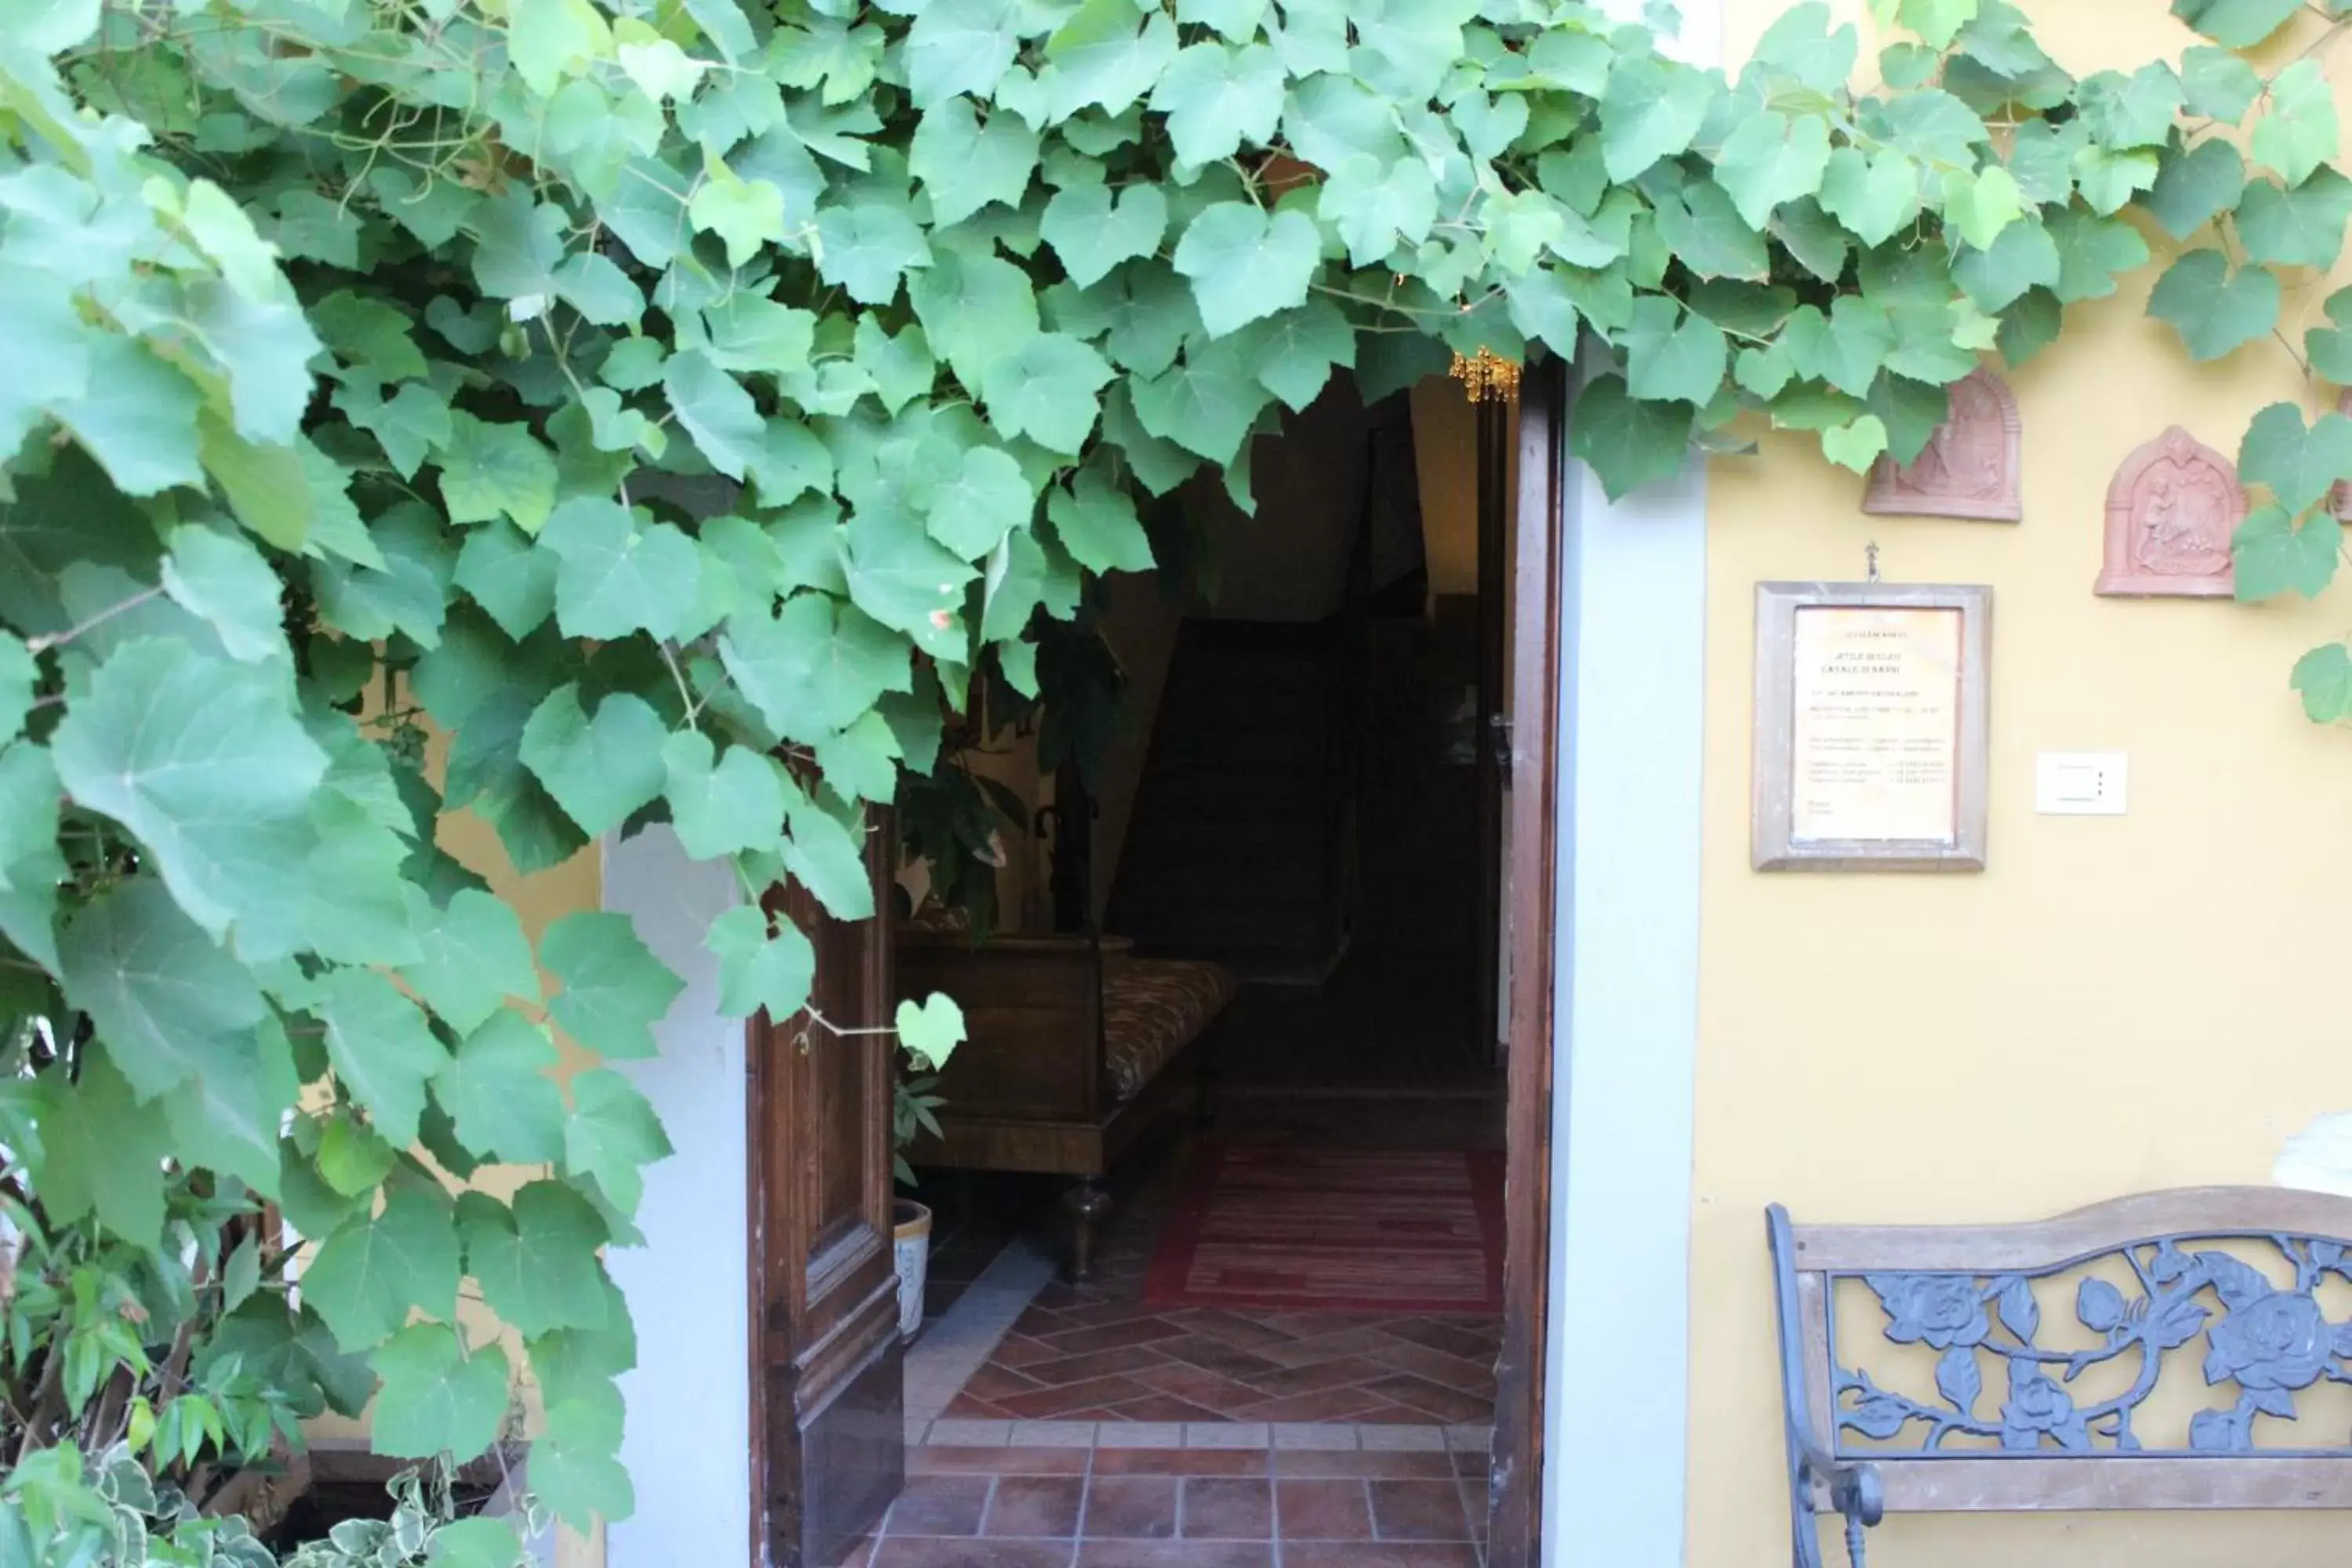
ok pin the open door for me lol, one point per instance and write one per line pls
(828, 1438)
(1495, 429)
(1516, 1471)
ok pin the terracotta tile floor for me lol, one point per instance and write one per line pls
(1097, 1352)
(1141, 1508)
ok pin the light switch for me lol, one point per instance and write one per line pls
(2080, 783)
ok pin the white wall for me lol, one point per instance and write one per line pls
(688, 1444)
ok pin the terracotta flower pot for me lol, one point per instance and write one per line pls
(911, 1238)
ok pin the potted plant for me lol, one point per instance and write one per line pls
(926, 1033)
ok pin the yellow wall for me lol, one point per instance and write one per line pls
(2113, 1005)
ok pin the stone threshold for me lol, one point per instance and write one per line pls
(1372, 1437)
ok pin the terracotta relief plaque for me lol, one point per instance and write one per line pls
(1969, 465)
(2172, 509)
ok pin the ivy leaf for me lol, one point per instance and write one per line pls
(759, 969)
(2324, 678)
(1296, 349)
(748, 215)
(2091, 251)
(225, 582)
(975, 311)
(410, 426)
(1856, 443)
(1048, 391)
(2214, 310)
(1216, 98)
(496, 470)
(103, 1153)
(1375, 206)
(135, 414)
(611, 1135)
(1668, 362)
(2299, 134)
(475, 957)
(1874, 195)
(202, 760)
(932, 1028)
(1092, 235)
(2300, 465)
(368, 1276)
(382, 1048)
(2024, 256)
(548, 40)
(901, 366)
(1100, 59)
(1205, 405)
(601, 769)
(1653, 108)
(865, 247)
(1708, 235)
(536, 1261)
(2236, 23)
(169, 1003)
(989, 498)
(812, 667)
(619, 573)
(510, 580)
(1768, 159)
(496, 1089)
(827, 856)
(2273, 556)
(2108, 179)
(436, 1397)
(965, 165)
(1982, 204)
(736, 805)
(2218, 84)
(1628, 443)
(959, 45)
(2196, 184)
(2329, 348)
(614, 989)
(18, 675)
(1095, 521)
(2300, 227)
(898, 576)
(1244, 263)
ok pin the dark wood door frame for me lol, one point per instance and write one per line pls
(827, 1425)
(1516, 1467)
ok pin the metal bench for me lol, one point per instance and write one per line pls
(2198, 1318)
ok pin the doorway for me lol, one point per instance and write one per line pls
(1463, 1480)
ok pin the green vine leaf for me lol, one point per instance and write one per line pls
(2214, 309)
(1244, 263)
(2274, 555)
(2195, 187)
(2299, 132)
(2236, 23)
(2323, 677)
(2299, 464)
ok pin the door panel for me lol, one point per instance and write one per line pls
(827, 1430)
(1517, 1472)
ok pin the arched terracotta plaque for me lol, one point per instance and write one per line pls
(2172, 509)
(1969, 465)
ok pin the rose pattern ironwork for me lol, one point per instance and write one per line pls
(2268, 1343)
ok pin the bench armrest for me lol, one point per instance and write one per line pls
(1854, 1487)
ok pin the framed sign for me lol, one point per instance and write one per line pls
(1871, 727)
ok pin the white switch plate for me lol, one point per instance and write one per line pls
(2081, 784)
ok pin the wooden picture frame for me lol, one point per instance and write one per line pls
(1872, 727)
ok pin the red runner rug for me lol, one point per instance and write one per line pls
(1331, 1230)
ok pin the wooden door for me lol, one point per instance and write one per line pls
(1516, 1469)
(1494, 509)
(828, 1437)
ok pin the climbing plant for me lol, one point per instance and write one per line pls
(582, 413)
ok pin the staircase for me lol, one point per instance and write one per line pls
(1237, 849)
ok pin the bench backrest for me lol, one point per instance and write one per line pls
(2234, 1283)
(1033, 1014)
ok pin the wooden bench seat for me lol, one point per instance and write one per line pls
(1076, 1049)
(2145, 1353)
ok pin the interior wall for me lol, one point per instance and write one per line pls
(2113, 1005)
